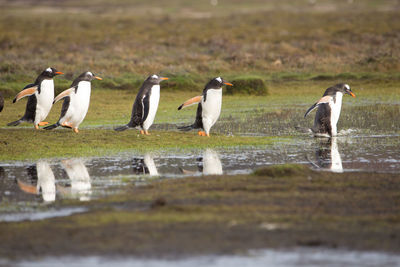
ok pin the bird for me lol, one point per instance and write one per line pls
(208, 164)
(76, 102)
(145, 106)
(209, 106)
(328, 110)
(1, 102)
(41, 95)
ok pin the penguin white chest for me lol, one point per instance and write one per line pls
(79, 104)
(153, 106)
(44, 100)
(211, 107)
(336, 107)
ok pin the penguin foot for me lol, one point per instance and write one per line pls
(36, 127)
(146, 132)
(43, 123)
(76, 130)
(202, 133)
(67, 125)
(141, 132)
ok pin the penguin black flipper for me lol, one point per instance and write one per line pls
(325, 99)
(310, 109)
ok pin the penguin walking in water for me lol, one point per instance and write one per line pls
(328, 112)
(40, 101)
(145, 106)
(209, 107)
(76, 102)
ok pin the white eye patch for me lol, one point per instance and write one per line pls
(89, 73)
(347, 86)
(219, 79)
(49, 70)
(154, 76)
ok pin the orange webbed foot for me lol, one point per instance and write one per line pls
(43, 123)
(141, 132)
(76, 130)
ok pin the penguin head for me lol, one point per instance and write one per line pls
(50, 72)
(88, 76)
(217, 82)
(155, 79)
(345, 89)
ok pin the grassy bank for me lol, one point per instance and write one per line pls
(282, 206)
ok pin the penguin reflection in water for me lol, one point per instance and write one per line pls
(40, 101)
(76, 102)
(209, 107)
(328, 156)
(145, 106)
(328, 112)
(145, 166)
(41, 181)
(208, 164)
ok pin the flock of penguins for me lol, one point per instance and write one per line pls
(77, 98)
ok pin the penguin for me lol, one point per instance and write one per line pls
(41, 94)
(328, 111)
(76, 102)
(1, 102)
(209, 107)
(145, 106)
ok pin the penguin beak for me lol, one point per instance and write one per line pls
(227, 83)
(351, 93)
(59, 72)
(98, 78)
(163, 78)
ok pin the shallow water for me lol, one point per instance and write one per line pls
(294, 257)
(29, 187)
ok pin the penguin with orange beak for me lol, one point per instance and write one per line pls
(145, 106)
(76, 102)
(209, 107)
(328, 110)
(40, 101)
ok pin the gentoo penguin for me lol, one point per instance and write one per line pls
(41, 95)
(76, 102)
(328, 111)
(1, 102)
(209, 107)
(145, 105)
(43, 176)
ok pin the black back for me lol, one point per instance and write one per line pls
(30, 110)
(322, 121)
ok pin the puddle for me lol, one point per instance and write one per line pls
(287, 258)
(26, 187)
(41, 215)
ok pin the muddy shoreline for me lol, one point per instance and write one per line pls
(283, 206)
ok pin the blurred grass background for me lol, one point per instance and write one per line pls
(191, 41)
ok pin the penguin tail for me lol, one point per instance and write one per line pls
(51, 127)
(186, 128)
(121, 128)
(14, 123)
